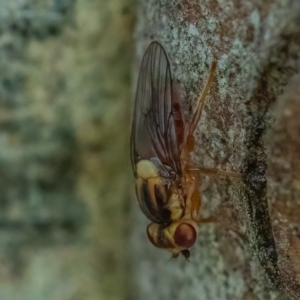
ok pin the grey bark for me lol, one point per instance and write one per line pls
(250, 125)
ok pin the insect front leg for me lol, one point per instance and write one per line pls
(194, 200)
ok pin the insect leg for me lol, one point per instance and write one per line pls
(199, 108)
(194, 196)
(194, 199)
(219, 172)
(196, 204)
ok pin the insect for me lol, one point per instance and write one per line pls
(166, 182)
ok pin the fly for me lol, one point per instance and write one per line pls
(166, 183)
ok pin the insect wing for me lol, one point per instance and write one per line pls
(157, 129)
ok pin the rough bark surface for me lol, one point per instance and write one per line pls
(64, 94)
(250, 125)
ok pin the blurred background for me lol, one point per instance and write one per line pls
(65, 179)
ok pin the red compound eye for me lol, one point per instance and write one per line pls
(185, 235)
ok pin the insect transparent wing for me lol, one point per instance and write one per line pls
(157, 129)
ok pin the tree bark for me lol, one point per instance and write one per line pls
(64, 176)
(250, 125)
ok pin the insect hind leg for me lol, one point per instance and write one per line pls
(199, 107)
